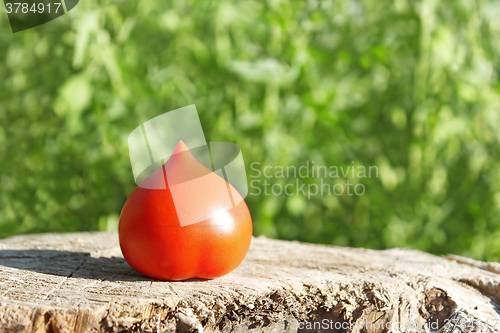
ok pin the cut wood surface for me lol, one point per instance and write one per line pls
(80, 283)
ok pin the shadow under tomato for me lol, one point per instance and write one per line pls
(73, 264)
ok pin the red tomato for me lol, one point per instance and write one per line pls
(154, 243)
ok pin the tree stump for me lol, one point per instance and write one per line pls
(80, 283)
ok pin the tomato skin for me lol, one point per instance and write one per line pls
(155, 244)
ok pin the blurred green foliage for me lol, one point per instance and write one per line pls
(411, 86)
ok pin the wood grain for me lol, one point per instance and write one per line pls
(80, 283)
